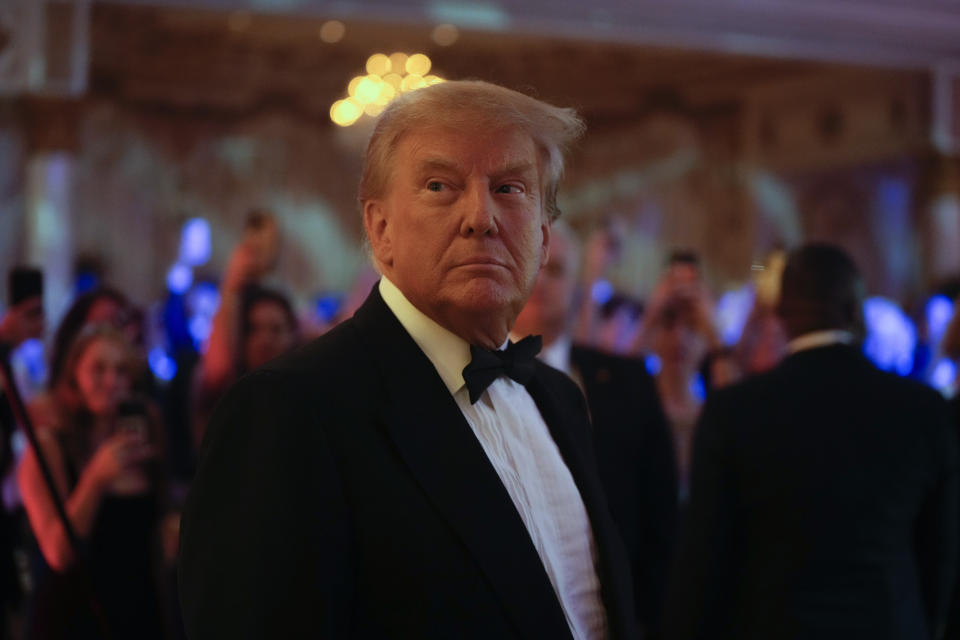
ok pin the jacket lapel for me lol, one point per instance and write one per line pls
(614, 577)
(443, 454)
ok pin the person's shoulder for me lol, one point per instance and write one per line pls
(335, 354)
(331, 367)
(896, 390)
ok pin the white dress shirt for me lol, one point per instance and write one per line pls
(518, 444)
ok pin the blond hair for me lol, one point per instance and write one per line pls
(472, 104)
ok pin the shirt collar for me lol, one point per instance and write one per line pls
(448, 352)
(816, 339)
(557, 353)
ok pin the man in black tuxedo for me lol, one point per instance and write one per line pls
(402, 476)
(633, 443)
(824, 493)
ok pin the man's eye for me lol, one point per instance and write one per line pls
(435, 185)
(509, 188)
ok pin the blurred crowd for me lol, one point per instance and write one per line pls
(118, 443)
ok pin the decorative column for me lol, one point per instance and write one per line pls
(943, 196)
(51, 126)
(44, 60)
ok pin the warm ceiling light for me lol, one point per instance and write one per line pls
(394, 80)
(418, 64)
(445, 34)
(378, 64)
(352, 87)
(332, 31)
(398, 62)
(368, 89)
(387, 93)
(413, 82)
(345, 112)
(387, 77)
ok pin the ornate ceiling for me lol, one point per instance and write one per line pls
(914, 33)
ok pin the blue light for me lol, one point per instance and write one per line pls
(938, 311)
(86, 282)
(179, 278)
(199, 327)
(30, 355)
(698, 388)
(944, 373)
(601, 291)
(327, 307)
(203, 302)
(162, 365)
(653, 364)
(195, 242)
(732, 312)
(891, 336)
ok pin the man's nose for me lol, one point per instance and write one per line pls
(479, 215)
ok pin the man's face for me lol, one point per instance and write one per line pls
(461, 229)
(548, 308)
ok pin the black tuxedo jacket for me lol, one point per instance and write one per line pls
(342, 494)
(953, 621)
(638, 469)
(823, 506)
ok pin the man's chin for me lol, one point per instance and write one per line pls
(484, 295)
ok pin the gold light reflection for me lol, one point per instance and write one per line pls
(386, 78)
(394, 80)
(418, 64)
(398, 62)
(413, 82)
(332, 31)
(345, 112)
(378, 64)
(352, 87)
(445, 34)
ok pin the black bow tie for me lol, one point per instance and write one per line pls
(516, 361)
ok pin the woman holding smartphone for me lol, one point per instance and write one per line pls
(101, 452)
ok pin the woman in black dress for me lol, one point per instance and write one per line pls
(102, 454)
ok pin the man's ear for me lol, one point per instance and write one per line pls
(545, 246)
(375, 221)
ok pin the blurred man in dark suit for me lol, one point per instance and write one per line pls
(632, 439)
(412, 474)
(824, 496)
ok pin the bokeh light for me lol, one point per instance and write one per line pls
(332, 31)
(345, 112)
(938, 311)
(418, 64)
(387, 77)
(398, 62)
(378, 64)
(445, 34)
(891, 336)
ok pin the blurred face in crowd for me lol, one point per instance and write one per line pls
(102, 375)
(269, 334)
(548, 309)
(105, 310)
(768, 347)
(461, 229)
(677, 341)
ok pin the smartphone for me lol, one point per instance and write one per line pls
(260, 234)
(132, 418)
